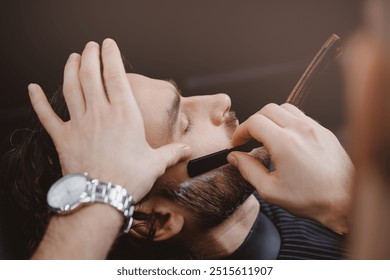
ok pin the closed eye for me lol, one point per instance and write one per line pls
(188, 126)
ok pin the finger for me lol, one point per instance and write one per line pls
(49, 119)
(171, 154)
(73, 92)
(278, 115)
(260, 128)
(254, 172)
(293, 110)
(301, 116)
(90, 76)
(117, 84)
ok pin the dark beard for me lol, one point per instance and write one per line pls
(213, 196)
(210, 198)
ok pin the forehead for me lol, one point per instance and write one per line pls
(154, 98)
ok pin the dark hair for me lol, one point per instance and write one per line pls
(207, 196)
(28, 170)
(32, 166)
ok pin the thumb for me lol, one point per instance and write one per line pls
(49, 119)
(253, 171)
(171, 154)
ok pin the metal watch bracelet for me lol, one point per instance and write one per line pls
(115, 196)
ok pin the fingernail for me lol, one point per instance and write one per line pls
(186, 150)
(31, 89)
(91, 44)
(232, 159)
(107, 42)
(73, 56)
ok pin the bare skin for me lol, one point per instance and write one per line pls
(312, 176)
(96, 119)
(124, 115)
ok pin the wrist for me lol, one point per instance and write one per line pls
(86, 234)
(132, 187)
(94, 217)
(73, 191)
(336, 218)
(338, 225)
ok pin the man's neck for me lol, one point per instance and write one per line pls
(224, 239)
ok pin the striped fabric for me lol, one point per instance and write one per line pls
(303, 239)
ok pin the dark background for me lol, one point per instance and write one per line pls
(254, 51)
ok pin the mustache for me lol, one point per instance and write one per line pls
(230, 123)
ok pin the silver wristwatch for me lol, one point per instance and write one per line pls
(74, 190)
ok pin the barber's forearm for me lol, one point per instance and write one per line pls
(86, 234)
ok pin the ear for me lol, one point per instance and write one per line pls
(169, 218)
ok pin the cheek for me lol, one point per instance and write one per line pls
(208, 140)
(177, 173)
(202, 142)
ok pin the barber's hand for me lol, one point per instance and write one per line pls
(105, 135)
(312, 171)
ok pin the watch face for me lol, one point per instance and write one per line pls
(66, 193)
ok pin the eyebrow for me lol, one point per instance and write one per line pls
(173, 111)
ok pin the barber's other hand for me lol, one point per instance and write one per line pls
(105, 134)
(312, 171)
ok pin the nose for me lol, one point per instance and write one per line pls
(220, 105)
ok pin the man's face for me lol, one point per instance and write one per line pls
(204, 123)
